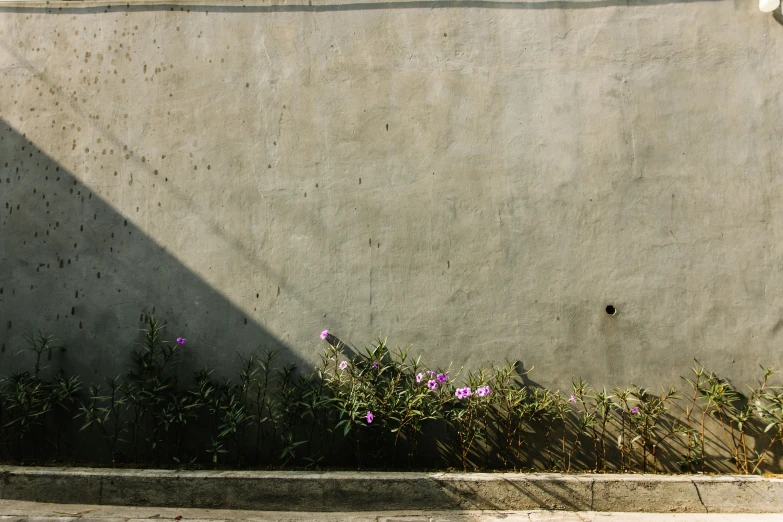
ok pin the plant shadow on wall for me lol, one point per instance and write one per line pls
(353, 6)
(71, 264)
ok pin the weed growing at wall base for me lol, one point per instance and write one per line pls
(381, 408)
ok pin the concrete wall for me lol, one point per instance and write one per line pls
(478, 179)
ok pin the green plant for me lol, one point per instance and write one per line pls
(378, 406)
(28, 400)
(649, 422)
(107, 418)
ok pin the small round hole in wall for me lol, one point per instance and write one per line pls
(611, 310)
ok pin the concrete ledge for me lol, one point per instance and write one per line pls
(358, 491)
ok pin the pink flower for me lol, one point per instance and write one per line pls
(375, 364)
(432, 385)
(635, 410)
(442, 378)
(430, 373)
(369, 417)
(572, 400)
(344, 365)
(324, 334)
(484, 391)
(180, 340)
(463, 393)
(420, 377)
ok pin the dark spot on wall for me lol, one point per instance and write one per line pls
(611, 310)
(360, 181)
(245, 320)
(99, 275)
(448, 264)
(10, 324)
(387, 126)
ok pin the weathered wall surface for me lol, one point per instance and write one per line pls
(478, 179)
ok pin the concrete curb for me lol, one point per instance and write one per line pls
(358, 491)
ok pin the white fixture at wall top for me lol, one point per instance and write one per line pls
(767, 6)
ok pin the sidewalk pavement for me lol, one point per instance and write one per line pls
(19, 511)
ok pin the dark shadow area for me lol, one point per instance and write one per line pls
(74, 267)
(88, 8)
(523, 373)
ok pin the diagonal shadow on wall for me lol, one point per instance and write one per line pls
(73, 266)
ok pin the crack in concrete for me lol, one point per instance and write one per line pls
(699, 495)
(592, 495)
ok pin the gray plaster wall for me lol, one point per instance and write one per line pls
(477, 179)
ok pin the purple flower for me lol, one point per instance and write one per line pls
(432, 385)
(369, 417)
(635, 410)
(430, 373)
(324, 334)
(572, 399)
(420, 377)
(344, 365)
(442, 378)
(180, 340)
(463, 393)
(484, 391)
(375, 364)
